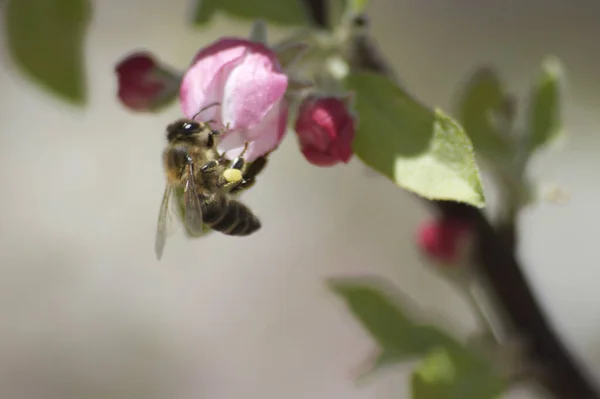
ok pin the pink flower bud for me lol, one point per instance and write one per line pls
(325, 130)
(246, 79)
(444, 240)
(143, 84)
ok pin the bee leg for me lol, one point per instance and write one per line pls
(243, 185)
(255, 168)
(249, 177)
(234, 174)
(210, 165)
(247, 174)
(218, 132)
(223, 183)
(215, 133)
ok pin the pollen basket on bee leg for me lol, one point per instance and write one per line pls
(232, 175)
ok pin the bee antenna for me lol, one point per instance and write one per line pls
(205, 108)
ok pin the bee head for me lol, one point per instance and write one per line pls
(188, 129)
(182, 129)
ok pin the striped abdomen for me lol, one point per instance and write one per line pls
(228, 216)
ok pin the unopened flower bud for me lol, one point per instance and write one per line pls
(144, 85)
(325, 130)
(445, 240)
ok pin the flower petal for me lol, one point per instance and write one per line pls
(316, 137)
(272, 131)
(198, 100)
(342, 147)
(227, 48)
(198, 90)
(251, 90)
(318, 158)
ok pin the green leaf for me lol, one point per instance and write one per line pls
(399, 337)
(448, 370)
(335, 12)
(452, 372)
(437, 366)
(544, 123)
(282, 12)
(358, 6)
(482, 96)
(421, 150)
(46, 38)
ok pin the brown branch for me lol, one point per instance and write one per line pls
(495, 257)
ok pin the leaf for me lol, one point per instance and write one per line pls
(438, 366)
(399, 337)
(544, 119)
(482, 96)
(283, 12)
(45, 38)
(448, 370)
(358, 6)
(335, 12)
(453, 372)
(421, 150)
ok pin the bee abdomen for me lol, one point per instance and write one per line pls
(230, 217)
(213, 208)
(247, 222)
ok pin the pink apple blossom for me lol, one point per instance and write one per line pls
(325, 130)
(248, 82)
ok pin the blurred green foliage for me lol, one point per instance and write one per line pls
(46, 39)
(544, 113)
(281, 12)
(421, 150)
(448, 370)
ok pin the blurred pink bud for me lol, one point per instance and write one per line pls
(246, 79)
(444, 240)
(325, 130)
(143, 84)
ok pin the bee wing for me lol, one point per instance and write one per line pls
(191, 204)
(173, 213)
(164, 219)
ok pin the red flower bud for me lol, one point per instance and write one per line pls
(325, 130)
(444, 240)
(143, 84)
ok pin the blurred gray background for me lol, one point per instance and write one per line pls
(87, 311)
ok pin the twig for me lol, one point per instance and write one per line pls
(495, 258)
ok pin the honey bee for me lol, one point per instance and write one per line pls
(209, 181)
